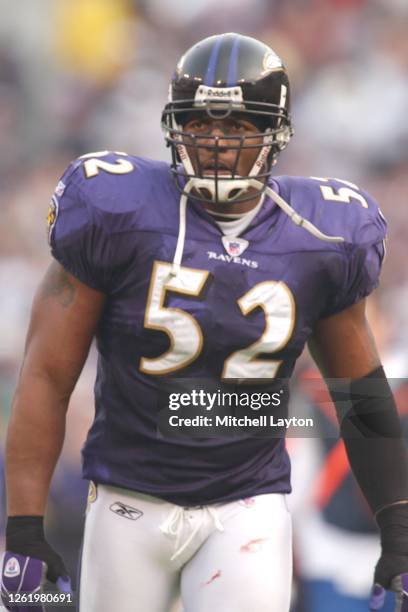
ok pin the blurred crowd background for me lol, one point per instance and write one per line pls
(88, 75)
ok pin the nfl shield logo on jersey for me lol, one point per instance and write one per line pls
(234, 246)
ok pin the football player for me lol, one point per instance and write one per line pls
(210, 269)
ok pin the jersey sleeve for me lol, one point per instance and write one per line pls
(77, 240)
(336, 207)
(360, 271)
(361, 277)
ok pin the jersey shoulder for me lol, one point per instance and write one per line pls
(115, 182)
(113, 191)
(336, 207)
(101, 199)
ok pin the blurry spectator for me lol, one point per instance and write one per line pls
(92, 38)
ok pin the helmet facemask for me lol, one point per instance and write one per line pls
(221, 184)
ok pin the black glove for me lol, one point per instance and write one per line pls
(28, 561)
(391, 571)
(25, 536)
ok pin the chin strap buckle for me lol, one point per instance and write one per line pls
(220, 190)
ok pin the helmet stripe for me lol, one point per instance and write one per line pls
(212, 64)
(233, 62)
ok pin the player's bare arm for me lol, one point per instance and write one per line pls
(343, 345)
(344, 348)
(64, 317)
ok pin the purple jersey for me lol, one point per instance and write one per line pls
(236, 309)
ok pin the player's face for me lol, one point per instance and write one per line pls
(230, 157)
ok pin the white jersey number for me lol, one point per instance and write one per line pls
(92, 165)
(186, 338)
(342, 194)
(278, 304)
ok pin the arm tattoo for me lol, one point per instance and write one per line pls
(58, 284)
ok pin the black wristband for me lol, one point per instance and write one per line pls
(25, 536)
(393, 524)
(21, 529)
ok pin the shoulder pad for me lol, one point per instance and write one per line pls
(98, 197)
(336, 207)
(113, 181)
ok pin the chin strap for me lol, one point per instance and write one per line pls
(221, 189)
(283, 205)
(178, 255)
(294, 216)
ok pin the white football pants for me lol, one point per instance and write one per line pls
(142, 554)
